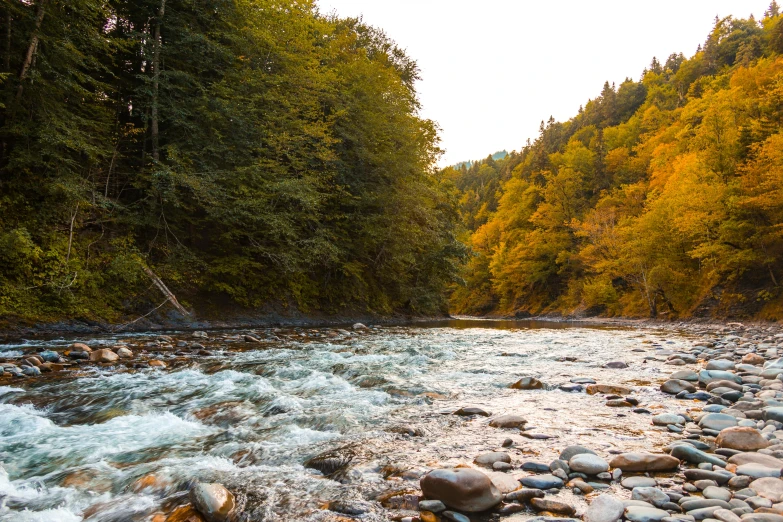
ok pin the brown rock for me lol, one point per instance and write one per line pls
(213, 501)
(155, 363)
(607, 389)
(753, 358)
(463, 489)
(186, 513)
(756, 458)
(644, 462)
(528, 383)
(104, 355)
(150, 483)
(80, 347)
(508, 421)
(741, 438)
(553, 506)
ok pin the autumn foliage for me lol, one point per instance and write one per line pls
(662, 197)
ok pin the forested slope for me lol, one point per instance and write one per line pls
(662, 197)
(247, 152)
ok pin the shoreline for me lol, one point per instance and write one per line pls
(270, 320)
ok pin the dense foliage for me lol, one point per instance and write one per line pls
(661, 197)
(246, 151)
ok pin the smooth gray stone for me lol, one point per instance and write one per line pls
(605, 508)
(639, 482)
(571, 451)
(691, 454)
(645, 514)
(717, 421)
(713, 492)
(653, 495)
(701, 503)
(703, 474)
(701, 514)
(542, 482)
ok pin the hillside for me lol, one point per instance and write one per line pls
(662, 197)
(239, 153)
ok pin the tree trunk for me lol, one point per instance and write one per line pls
(8, 40)
(28, 59)
(165, 291)
(154, 130)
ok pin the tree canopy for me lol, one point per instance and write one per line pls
(246, 151)
(662, 197)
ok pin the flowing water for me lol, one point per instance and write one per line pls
(122, 443)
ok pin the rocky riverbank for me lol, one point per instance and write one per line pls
(703, 437)
(725, 465)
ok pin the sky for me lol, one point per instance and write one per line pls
(493, 69)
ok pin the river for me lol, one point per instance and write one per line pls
(117, 443)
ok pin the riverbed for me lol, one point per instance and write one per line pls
(125, 441)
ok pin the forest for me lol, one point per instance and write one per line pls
(243, 153)
(258, 155)
(661, 198)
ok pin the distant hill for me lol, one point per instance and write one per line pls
(496, 156)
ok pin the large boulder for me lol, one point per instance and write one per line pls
(213, 501)
(742, 439)
(644, 462)
(463, 489)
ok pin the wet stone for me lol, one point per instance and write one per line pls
(542, 482)
(213, 501)
(528, 383)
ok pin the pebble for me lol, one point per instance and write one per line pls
(456, 517)
(435, 506)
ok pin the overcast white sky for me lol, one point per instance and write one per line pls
(493, 69)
